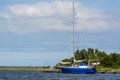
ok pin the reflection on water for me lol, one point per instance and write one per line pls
(37, 75)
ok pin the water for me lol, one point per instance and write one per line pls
(37, 75)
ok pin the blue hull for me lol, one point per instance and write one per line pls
(78, 70)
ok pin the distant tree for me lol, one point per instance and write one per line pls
(79, 54)
(101, 55)
(115, 59)
(66, 60)
(107, 62)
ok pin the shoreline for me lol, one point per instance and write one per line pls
(49, 69)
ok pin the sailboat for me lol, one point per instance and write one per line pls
(82, 67)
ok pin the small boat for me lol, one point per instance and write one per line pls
(82, 67)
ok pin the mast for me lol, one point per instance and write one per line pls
(73, 29)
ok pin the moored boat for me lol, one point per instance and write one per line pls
(81, 69)
(82, 66)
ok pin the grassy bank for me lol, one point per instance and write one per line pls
(37, 68)
(107, 69)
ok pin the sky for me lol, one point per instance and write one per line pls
(39, 32)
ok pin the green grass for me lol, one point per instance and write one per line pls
(111, 69)
(37, 68)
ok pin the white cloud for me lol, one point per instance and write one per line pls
(42, 9)
(57, 16)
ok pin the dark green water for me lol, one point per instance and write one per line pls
(36, 75)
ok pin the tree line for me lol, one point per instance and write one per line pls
(111, 60)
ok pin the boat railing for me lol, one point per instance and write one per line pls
(77, 61)
(65, 62)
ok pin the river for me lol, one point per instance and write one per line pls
(37, 75)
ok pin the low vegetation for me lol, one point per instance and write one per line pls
(36, 68)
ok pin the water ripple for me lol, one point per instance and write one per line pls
(37, 75)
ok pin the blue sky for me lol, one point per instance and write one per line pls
(39, 32)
